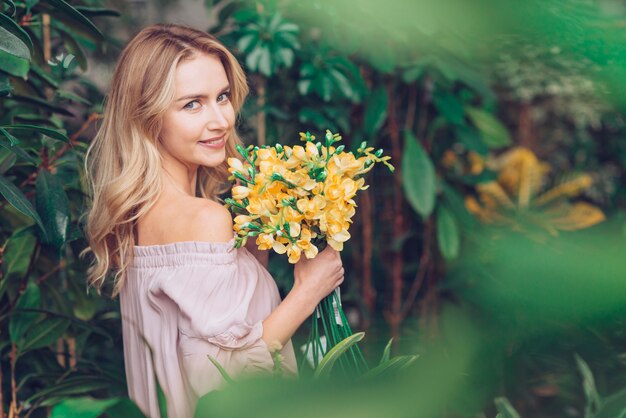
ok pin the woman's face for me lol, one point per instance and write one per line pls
(199, 122)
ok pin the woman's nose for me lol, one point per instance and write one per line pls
(216, 119)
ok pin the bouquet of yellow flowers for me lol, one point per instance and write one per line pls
(296, 200)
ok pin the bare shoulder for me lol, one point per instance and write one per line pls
(209, 221)
(187, 219)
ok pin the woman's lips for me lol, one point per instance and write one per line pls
(214, 143)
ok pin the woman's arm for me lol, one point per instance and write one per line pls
(313, 280)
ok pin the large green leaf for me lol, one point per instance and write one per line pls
(52, 133)
(17, 254)
(11, 25)
(493, 133)
(327, 363)
(11, 51)
(17, 199)
(53, 206)
(375, 112)
(447, 233)
(42, 334)
(418, 176)
(21, 321)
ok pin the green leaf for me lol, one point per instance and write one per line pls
(327, 363)
(42, 334)
(125, 408)
(162, 399)
(471, 139)
(449, 106)
(39, 72)
(52, 133)
(17, 253)
(89, 11)
(13, 140)
(17, 150)
(83, 407)
(386, 352)
(13, 45)
(7, 160)
(79, 385)
(613, 406)
(592, 396)
(375, 112)
(418, 176)
(221, 369)
(390, 366)
(11, 25)
(447, 233)
(493, 133)
(9, 62)
(5, 85)
(21, 321)
(53, 206)
(17, 199)
(265, 62)
(75, 15)
(505, 409)
(71, 96)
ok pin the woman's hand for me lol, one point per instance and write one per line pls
(313, 280)
(319, 276)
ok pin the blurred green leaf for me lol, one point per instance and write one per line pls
(375, 112)
(17, 199)
(493, 133)
(327, 363)
(594, 402)
(221, 369)
(53, 206)
(21, 321)
(471, 139)
(84, 407)
(390, 366)
(447, 233)
(449, 106)
(418, 176)
(386, 352)
(505, 409)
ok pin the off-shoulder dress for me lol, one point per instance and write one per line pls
(183, 301)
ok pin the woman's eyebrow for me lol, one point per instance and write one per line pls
(200, 96)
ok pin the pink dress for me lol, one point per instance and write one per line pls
(187, 300)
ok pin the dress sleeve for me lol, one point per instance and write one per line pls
(219, 310)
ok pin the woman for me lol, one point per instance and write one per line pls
(156, 167)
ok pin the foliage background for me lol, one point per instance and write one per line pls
(494, 311)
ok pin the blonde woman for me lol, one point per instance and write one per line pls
(155, 169)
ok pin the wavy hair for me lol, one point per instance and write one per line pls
(123, 163)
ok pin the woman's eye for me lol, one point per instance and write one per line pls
(223, 96)
(189, 107)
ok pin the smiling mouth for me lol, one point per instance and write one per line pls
(214, 142)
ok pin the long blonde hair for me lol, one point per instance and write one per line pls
(123, 164)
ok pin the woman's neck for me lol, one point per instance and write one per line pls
(181, 180)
